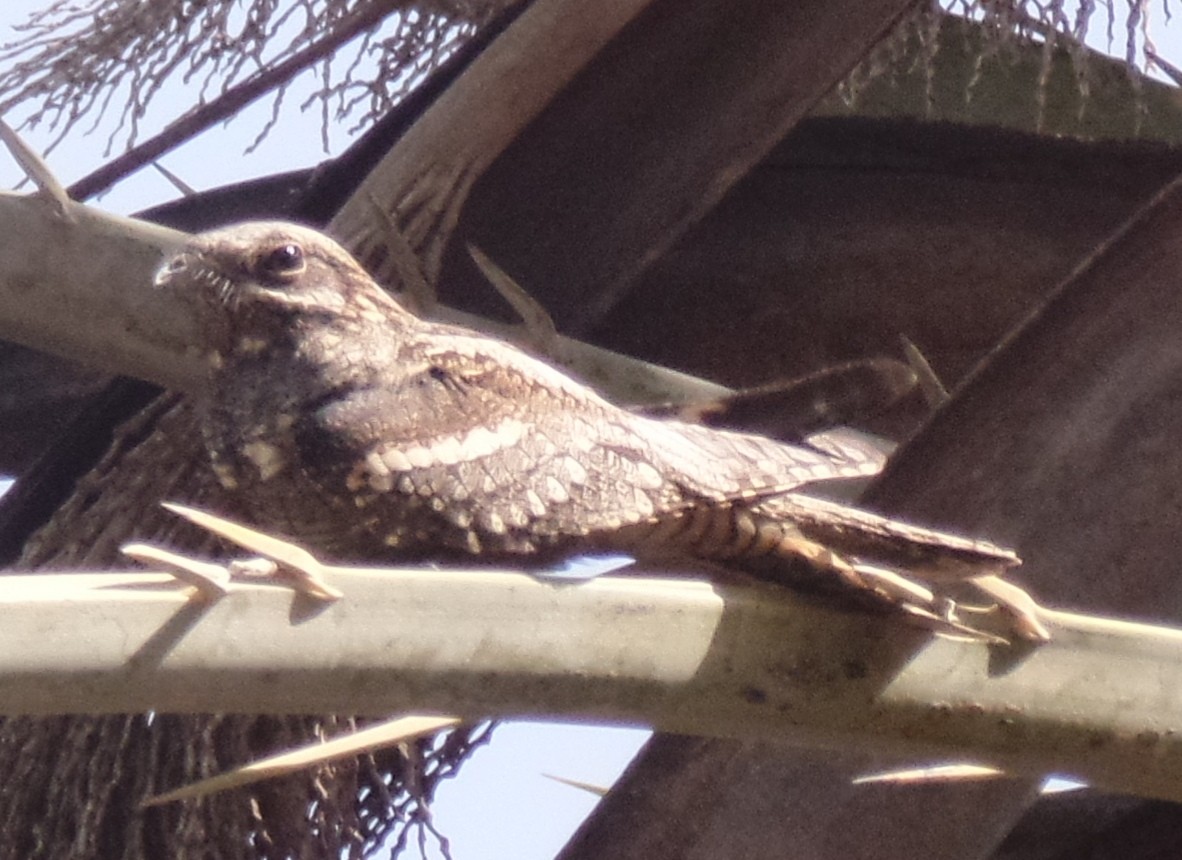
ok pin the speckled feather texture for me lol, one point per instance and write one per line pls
(346, 422)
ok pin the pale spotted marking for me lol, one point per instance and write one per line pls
(517, 517)
(421, 457)
(556, 491)
(642, 505)
(536, 506)
(472, 541)
(745, 531)
(393, 459)
(224, 474)
(376, 465)
(381, 483)
(574, 471)
(266, 457)
(667, 530)
(648, 477)
(492, 522)
(248, 345)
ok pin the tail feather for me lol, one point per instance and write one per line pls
(928, 554)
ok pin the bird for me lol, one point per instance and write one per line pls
(339, 418)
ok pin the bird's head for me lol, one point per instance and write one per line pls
(251, 282)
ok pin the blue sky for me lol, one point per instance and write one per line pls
(501, 806)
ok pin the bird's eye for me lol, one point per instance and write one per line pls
(282, 264)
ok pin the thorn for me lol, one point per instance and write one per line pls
(179, 184)
(406, 262)
(936, 774)
(385, 734)
(539, 325)
(37, 170)
(210, 580)
(597, 790)
(949, 628)
(307, 570)
(1168, 69)
(1018, 604)
(933, 389)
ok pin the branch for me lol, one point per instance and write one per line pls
(82, 289)
(1102, 701)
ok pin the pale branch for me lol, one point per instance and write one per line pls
(82, 289)
(1102, 701)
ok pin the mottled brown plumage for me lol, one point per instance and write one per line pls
(365, 432)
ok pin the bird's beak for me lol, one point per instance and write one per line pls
(171, 269)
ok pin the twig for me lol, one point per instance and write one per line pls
(223, 107)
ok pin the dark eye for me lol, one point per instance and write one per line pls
(282, 264)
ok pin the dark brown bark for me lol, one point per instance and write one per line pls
(856, 231)
(649, 137)
(1017, 457)
(1093, 825)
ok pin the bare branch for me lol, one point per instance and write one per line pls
(92, 300)
(75, 59)
(230, 102)
(1102, 701)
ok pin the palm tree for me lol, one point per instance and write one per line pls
(773, 188)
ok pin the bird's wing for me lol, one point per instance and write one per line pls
(503, 442)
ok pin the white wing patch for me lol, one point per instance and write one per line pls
(473, 445)
(384, 462)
